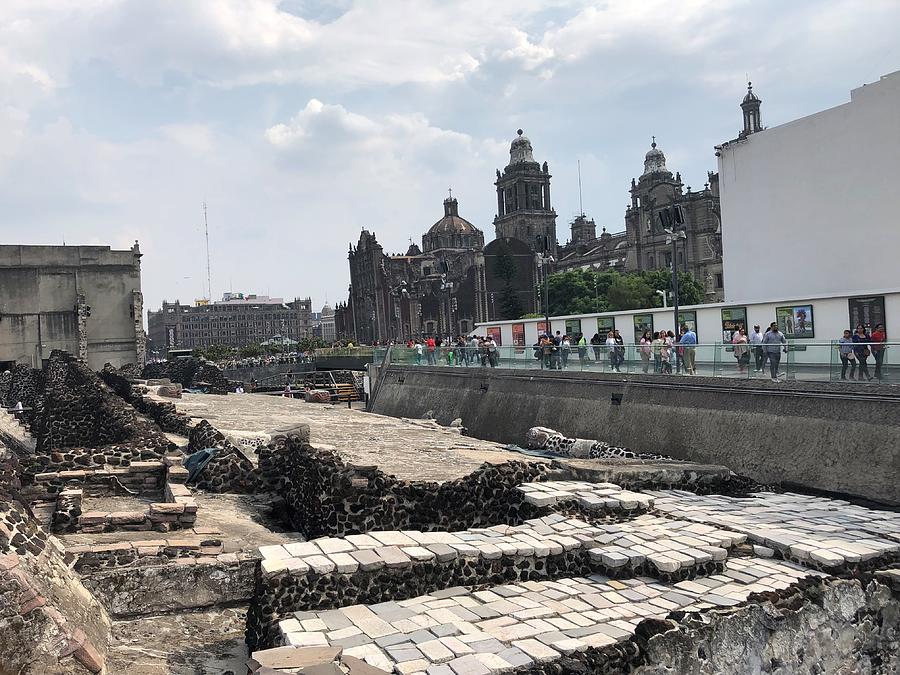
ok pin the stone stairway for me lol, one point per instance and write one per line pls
(15, 434)
(567, 585)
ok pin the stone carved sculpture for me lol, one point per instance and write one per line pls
(543, 438)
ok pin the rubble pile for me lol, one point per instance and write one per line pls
(191, 372)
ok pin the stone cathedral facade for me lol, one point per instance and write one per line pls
(455, 281)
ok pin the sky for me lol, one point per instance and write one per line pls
(300, 122)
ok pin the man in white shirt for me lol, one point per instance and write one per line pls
(756, 339)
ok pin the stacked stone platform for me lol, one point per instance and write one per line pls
(509, 626)
(558, 587)
(828, 534)
(384, 565)
(594, 498)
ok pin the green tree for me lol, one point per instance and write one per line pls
(214, 352)
(250, 351)
(505, 267)
(587, 291)
(690, 291)
(510, 305)
(629, 291)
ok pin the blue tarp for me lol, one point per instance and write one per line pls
(195, 463)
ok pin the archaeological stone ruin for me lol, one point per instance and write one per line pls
(149, 529)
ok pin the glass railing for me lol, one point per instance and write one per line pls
(798, 360)
(361, 352)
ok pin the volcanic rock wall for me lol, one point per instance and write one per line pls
(79, 422)
(326, 496)
(49, 623)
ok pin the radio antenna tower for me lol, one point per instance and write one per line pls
(580, 202)
(208, 277)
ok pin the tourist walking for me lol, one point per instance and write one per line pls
(493, 353)
(848, 356)
(656, 348)
(665, 355)
(741, 349)
(596, 341)
(688, 344)
(611, 350)
(646, 350)
(420, 351)
(582, 349)
(774, 344)
(878, 338)
(755, 340)
(620, 350)
(861, 340)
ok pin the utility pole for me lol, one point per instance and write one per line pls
(580, 202)
(208, 276)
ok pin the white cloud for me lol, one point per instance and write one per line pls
(302, 121)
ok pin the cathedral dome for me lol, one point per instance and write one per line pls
(520, 150)
(654, 160)
(452, 222)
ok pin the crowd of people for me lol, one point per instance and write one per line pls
(472, 350)
(856, 348)
(660, 351)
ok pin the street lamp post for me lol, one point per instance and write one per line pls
(545, 260)
(398, 293)
(672, 238)
(447, 287)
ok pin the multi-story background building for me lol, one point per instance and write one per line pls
(235, 321)
(85, 300)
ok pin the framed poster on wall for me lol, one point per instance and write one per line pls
(796, 321)
(541, 328)
(605, 324)
(867, 311)
(518, 333)
(689, 318)
(733, 319)
(494, 332)
(642, 322)
(573, 327)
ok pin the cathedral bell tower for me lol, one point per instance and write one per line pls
(523, 199)
(750, 105)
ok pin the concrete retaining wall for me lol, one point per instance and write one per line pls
(842, 439)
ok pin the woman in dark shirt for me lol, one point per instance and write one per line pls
(861, 341)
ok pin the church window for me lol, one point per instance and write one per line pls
(668, 257)
(719, 281)
(536, 201)
(650, 261)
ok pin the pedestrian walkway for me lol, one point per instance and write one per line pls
(802, 362)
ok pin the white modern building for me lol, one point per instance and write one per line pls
(809, 207)
(810, 320)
